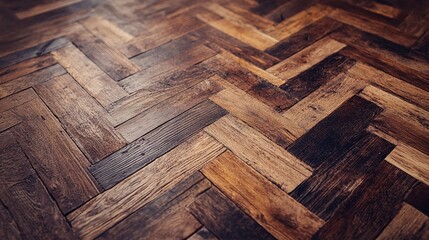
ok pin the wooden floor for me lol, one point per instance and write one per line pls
(215, 119)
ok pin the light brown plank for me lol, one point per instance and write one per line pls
(44, 7)
(276, 211)
(89, 76)
(275, 163)
(115, 204)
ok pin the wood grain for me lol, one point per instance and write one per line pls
(226, 172)
(95, 217)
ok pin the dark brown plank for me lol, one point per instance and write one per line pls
(303, 38)
(151, 221)
(81, 116)
(371, 206)
(218, 40)
(108, 59)
(35, 51)
(24, 195)
(225, 219)
(54, 156)
(8, 225)
(336, 134)
(154, 144)
(30, 80)
(419, 198)
(306, 82)
(25, 67)
(332, 183)
(202, 234)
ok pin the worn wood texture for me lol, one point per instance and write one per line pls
(217, 119)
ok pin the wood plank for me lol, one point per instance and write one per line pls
(107, 31)
(375, 27)
(15, 57)
(402, 121)
(300, 86)
(240, 30)
(305, 58)
(89, 76)
(23, 194)
(254, 113)
(161, 33)
(17, 99)
(334, 181)
(272, 208)
(160, 70)
(44, 8)
(408, 224)
(288, 8)
(336, 134)
(309, 111)
(9, 228)
(25, 67)
(388, 83)
(418, 198)
(8, 119)
(225, 219)
(298, 21)
(30, 80)
(218, 40)
(81, 116)
(107, 58)
(303, 38)
(139, 189)
(156, 92)
(167, 110)
(410, 161)
(166, 216)
(146, 149)
(54, 156)
(276, 164)
(371, 207)
(202, 234)
(388, 52)
(255, 84)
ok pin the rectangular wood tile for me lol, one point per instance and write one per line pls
(167, 110)
(146, 149)
(24, 195)
(30, 80)
(9, 227)
(63, 167)
(81, 116)
(17, 99)
(225, 219)
(166, 216)
(8, 119)
(279, 214)
(139, 189)
(26, 67)
(334, 181)
(89, 76)
(43, 8)
(276, 164)
(336, 134)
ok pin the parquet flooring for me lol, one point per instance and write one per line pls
(216, 119)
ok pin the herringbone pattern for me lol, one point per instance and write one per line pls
(190, 119)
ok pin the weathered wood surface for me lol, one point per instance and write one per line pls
(217, 119)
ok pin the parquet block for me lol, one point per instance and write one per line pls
(223, 218)
(276, 164)
(26, 67)
(63, 168)
(154, 144)
(139, 189)
(227, 172)
(81, 116)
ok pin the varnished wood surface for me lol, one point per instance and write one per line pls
(190, 119)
